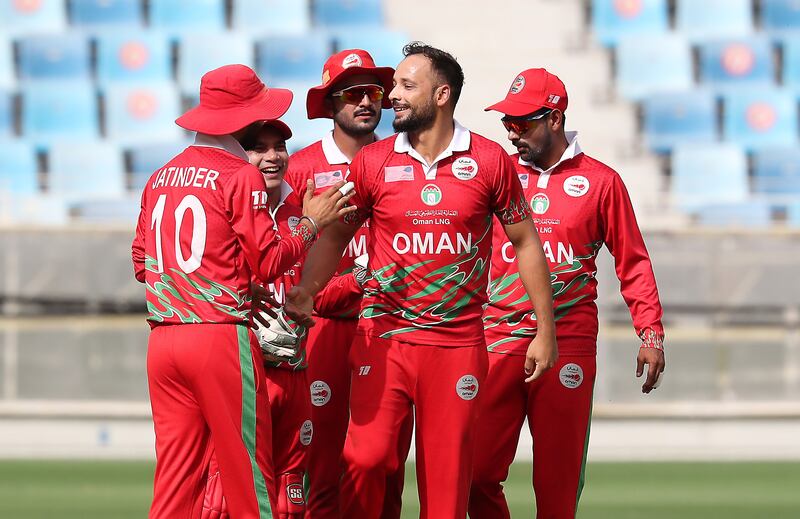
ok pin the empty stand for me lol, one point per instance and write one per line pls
(292, 58)
(177, 17)
(780, 16)
(750, 213)
(616, 19)
(146, 158)
(348, 13)
(755, 118)
(263, 17)
(683, 117)
(714, 19)
(32, 16)
(199, 53)
(6, 114)
(52, 111)
(142, 113)
(88, 170)
(777, 172)
(54, 57)
(648, 65)
(18, 167)
(124, 57)
(304, 131)
(385, 47)
(6, 63)
(703, 175)
(99, 14)
(790, 71)
(736, 62)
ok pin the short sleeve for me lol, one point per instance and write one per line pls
(508, 198)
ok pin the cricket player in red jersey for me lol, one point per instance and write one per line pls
(430, 193)
(204, 230)
(352, 93)
(579, 205)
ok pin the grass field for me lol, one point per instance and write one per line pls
(120, 490)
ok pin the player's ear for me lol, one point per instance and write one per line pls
(442, 94)
(556, 120)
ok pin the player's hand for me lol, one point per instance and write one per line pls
(263, 301)
(328, 206)
(654, 358)
(299, 306)
(542, 355)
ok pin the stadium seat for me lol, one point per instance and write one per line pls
(736, 62)
(35, 209)
(648, 65)
(108, 210)
(97, 14)
(6, 114)
(199, 53)
(91, 169)
(760, 117)
(54, 57)
(304, 131)
(615, 19)
(777, 172)
(386, 47)
(793, 214)
(32, 16)
(18, 167)
(750, 213)
(780, 16)
(6, 63)
(714, 19)
(142, 113)
(790, 71)
(66, 109)
(177, 17)
(133, 57)
(144, 159)
(671, 119)
(348, 13)
(292, 58)
(704, 175)
(271, 17)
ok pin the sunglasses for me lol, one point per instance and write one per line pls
(355, 93)
(521, 125)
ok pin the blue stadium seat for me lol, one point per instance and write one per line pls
(385, 47)
(780, 16)
(133, 57)
(90, 169)
(683, 117)
(777, 171)
(304, 131)
(18, 167)
(714, 19)
(292, 58)
(108, 210)
(791, 62)
(147, 158)
(348, 13)
(6, 63)
(760, 117)
(97, 14)
(703, 175)
(57, 110)
(793, 214)
(142, 113)
(736, 62)
(55, 57)
(271, 17)
(177, 17)
(750, 213)
(32, 16)
(200, 53)
(38, 209)
(6, 114)
(647, 65)
(615, 19)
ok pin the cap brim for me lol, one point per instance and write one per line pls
(282, 127)
(514, 108)
(315, 100)
(271, 105)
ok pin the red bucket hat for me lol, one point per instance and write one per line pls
(532, 90)
(232, 97)
(341, 65)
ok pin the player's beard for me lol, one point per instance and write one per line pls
(535, 154)
(355, 128)
(419, 118)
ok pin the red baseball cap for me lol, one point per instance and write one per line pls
(532, 89)
(281, 127)
(232, 97)
(343, 64)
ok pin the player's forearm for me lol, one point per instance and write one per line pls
(341, 295)
(322, 261)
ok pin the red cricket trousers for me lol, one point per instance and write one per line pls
(207, 380)
(558, 407)
(442, 387)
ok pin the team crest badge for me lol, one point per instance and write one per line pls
(431, 194)
(351, 60)
(517, 85)
(540, 203)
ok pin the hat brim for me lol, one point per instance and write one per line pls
(315, 101)
(270, 105)
(282, 128)
(514, 108)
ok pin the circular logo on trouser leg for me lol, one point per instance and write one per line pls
(571, 375)
(306, 432)
(467, 387)
(320, 393)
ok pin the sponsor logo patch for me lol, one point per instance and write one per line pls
(398, 173)
(576, 185)
(540, 203)
(431, 194)
(465, 168)
(523, 179)
(294, 492)
(517, 85)
(293, 222)
(467, 387)
(320, 393)
(306, 432)
(571, 375)
(327, 178)
(352, 60)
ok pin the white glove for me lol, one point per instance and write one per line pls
(361, 269)
(278, 341)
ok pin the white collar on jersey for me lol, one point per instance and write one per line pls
(222, 142)
(331, 151)
(572, 151)
(459, 142)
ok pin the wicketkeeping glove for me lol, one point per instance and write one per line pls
(278, 341)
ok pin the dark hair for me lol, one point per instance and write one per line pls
(443, 63)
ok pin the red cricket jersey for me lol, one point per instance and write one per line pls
(325, 164)
(578, 206)
(430, 235)
(204, 231)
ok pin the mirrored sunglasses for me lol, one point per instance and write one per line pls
(356, 93)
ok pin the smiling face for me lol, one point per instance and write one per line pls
(356, 118)
(415, 93)
(270, 156)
